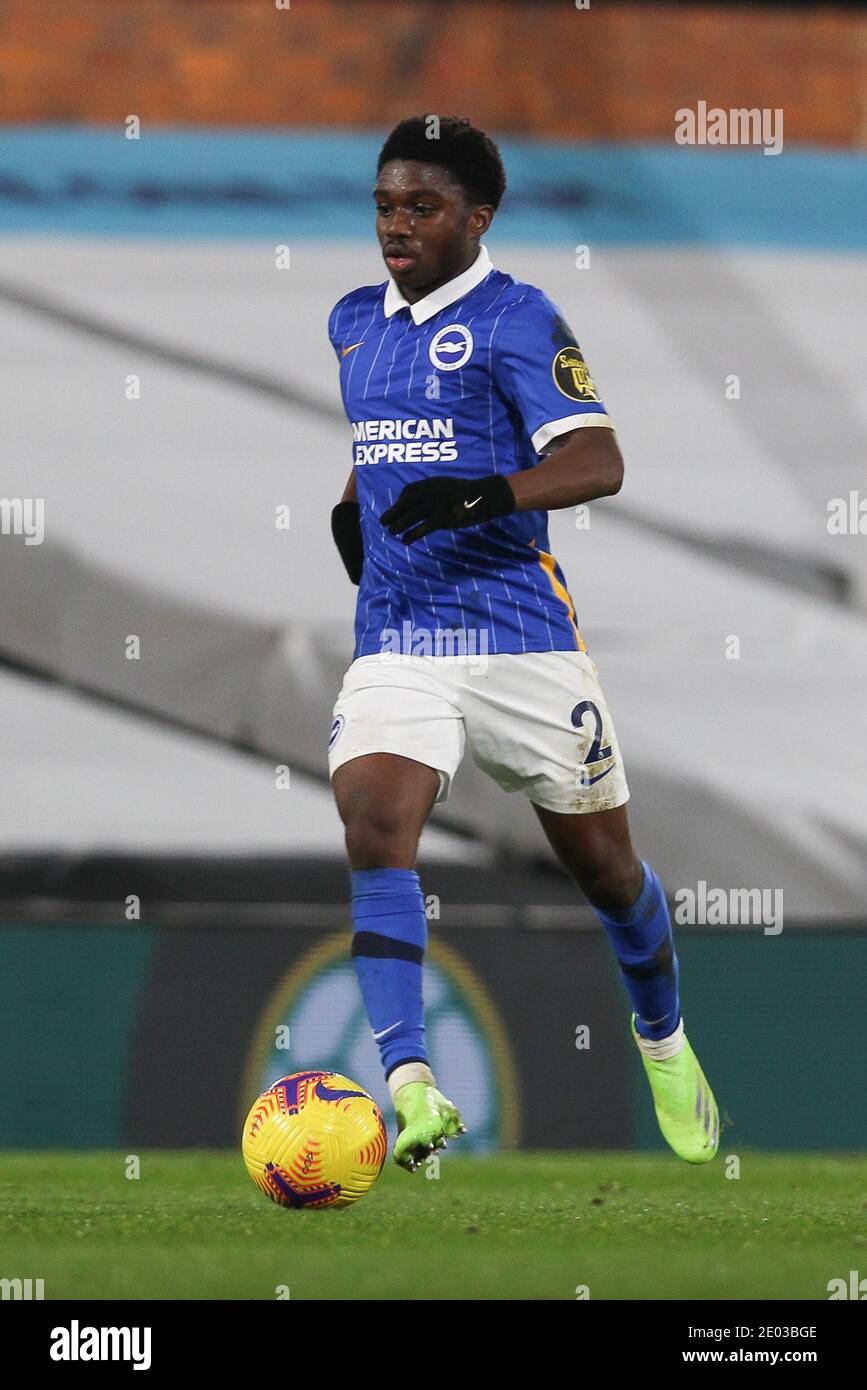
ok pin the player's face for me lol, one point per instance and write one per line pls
(427, 229)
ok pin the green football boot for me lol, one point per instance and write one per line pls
(684, 1104)
(426, 1120)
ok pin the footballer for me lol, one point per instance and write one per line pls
(473, 415)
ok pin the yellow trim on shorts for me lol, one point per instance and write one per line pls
(548, 563)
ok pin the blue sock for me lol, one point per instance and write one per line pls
(388, 944)
(643, 943)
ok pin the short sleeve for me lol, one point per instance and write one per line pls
(540, 369)
(334, 327)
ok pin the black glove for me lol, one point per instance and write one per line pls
(346, 530)
(445, 504)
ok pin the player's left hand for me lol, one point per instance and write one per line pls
(445, 504)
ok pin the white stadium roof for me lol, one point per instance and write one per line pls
(160, 520)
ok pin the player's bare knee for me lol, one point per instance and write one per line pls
(377, 836)
(370, 849)
(611, 881)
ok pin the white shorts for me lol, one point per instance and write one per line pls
(536, 722)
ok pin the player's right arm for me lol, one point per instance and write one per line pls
(346, 516)
(346, 530)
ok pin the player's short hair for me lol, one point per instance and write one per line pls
(470, 155)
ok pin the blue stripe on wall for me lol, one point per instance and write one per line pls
(283, 185)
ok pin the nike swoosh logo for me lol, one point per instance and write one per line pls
(471, 504)
(325, 1093)
(351, 348)
(390, 1029)
(599, 776)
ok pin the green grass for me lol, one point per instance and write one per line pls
(518, 1226)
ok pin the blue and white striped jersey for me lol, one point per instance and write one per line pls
(476, 378)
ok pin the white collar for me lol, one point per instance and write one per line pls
(424, 309)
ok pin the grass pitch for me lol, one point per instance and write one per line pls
(516, 1226)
